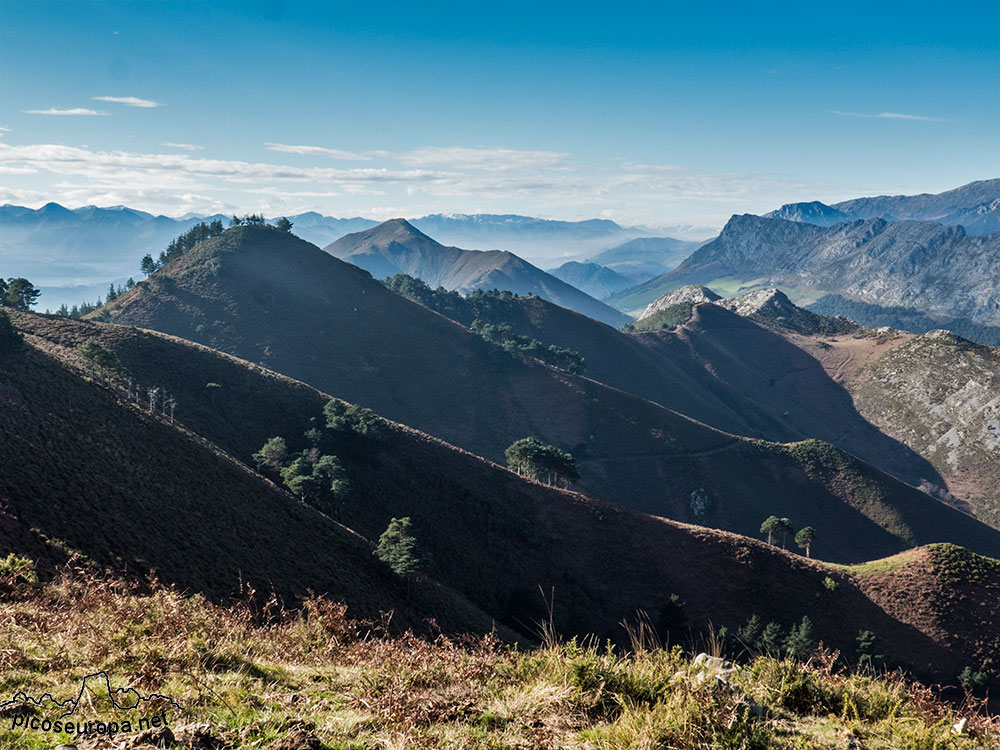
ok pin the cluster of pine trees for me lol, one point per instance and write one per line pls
(532, 458)
(315, 473)
(180, 245)
(804, 538)
(484, 311)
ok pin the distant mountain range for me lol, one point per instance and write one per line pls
(923, 265)
(975, 206)
(72, 255)
(396, 246)
(926, 267)
(814, 212)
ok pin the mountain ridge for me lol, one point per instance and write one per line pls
(396, 246)
(272, 298)
(922, 265)
(505, 542)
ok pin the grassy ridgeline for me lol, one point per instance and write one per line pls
(258, 675)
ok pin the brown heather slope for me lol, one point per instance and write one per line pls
(82, 472)
(271, 298)
(726, 371)
(493, 537)
(945, 591)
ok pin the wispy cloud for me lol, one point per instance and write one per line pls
(128, 101)
(886, 116)
(3, 130)
(628, 166)
(183, 146)
(123, 165)
(330, 153)
(428, 179)
(486, 159)
(76, 112)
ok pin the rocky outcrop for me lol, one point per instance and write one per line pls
(691, 294)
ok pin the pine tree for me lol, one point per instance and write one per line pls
(397, 547)
(749, 634)
(20, 294)
(800, 642)
(532, 458)
(273, 454)
(770, 526)
(147, 265)
(770, 639)
(805, 538)
(104, 361)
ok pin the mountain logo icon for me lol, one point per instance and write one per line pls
(123, 699)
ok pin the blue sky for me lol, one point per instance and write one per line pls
(640, 112)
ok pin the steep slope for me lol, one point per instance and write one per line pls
(396, 246)
(814, 212)
(920, 265)
(271, 298)
(940, 395)
(85, 472)
(596, 280)
(494, 537)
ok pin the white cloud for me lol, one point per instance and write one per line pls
(628, 166)
(78, 111)
(183, 146)
(494, 180)
(330, 153)
(486, 159)
(128, 101)
(124, 165)
(886, 116)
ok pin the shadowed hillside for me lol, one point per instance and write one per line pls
(718, 368)
(492, 536)
(86, 473)
(271, 298)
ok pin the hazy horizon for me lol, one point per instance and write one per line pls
(653, 117)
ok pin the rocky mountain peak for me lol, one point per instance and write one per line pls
(692, 293)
